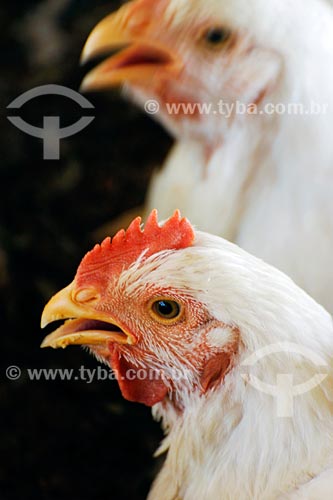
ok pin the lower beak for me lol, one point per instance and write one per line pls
(141, 61)
(85, 326)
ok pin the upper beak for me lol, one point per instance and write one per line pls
(84, 325)
(142, 60)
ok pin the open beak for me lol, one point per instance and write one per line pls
(83, 325)
(140, 61)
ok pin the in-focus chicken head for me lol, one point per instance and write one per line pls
(158, 338)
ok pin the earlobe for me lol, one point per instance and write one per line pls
(223, 340)
(215, 370)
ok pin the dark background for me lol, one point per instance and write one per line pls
(64, 440)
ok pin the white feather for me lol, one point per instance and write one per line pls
(231, 444)
(268, 183)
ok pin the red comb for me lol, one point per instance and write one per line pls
(126, 246)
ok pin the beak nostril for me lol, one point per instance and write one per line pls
(85, 295)
(137, 16)
(137, 24)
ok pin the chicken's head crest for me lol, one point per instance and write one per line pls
(126, 246)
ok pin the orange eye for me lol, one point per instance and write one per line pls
(166, 310)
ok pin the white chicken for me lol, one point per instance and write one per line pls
(233, 357)
(261, 178)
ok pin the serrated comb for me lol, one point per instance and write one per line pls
(125, 247)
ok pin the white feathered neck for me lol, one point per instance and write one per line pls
(268, 185)
(231, 444)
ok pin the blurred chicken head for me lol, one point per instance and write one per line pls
(194, 58)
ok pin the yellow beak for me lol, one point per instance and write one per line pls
(141, 61)
(86, 326)
(111, 32)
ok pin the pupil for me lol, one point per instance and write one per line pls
(215, 35)
(165, 308)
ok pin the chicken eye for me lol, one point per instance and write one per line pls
(216, 36)
(166, 310)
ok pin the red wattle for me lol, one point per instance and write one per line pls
(135, 384)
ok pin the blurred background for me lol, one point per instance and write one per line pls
(64, 439)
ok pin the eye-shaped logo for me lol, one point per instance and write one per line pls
(51, 133)
(284, 391)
